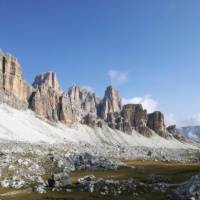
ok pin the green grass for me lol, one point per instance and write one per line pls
(176, 172)
(80, 196)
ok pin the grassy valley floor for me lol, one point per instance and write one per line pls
(139, 170)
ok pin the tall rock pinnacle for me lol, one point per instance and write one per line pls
(15, 90)
(156, 122)
(111, 102)
(45, 99)
(48, 79)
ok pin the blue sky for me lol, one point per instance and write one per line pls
(147, 49)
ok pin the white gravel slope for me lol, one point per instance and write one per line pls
(25, 126)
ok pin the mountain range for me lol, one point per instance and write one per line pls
(78, 105)
(192, 132)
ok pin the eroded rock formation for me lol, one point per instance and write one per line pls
(156, 122)
(132, 117)
(84, 100)
(67, 114)
(111, 102)
(46, 98)
(14, 90)
(175, 132)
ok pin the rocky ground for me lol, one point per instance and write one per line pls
(48, 167)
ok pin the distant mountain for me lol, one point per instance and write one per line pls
(192, 132)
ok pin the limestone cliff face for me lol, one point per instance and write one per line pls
(111, 103)
(156, 122)
(45, 99)
(66, 113)
(132, 117)
(135, 117)
(14, 90)
(76, 105)
(175, 132)
(48, 79)
(82, 100)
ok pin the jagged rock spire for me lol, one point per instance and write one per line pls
(47, 100)
(48, 79)
(156, 122)
(111, 102)
(15, 90)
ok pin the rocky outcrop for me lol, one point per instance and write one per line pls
(188, 190)
(132, 117)
(66, 113)
(135, 117)
(115, 121)
(45, 99)
(48, 80)
(13, 89)
(156, 123)
(77, 105)
(111, 103)
(91, 120)
(83, 99)
(175, 132)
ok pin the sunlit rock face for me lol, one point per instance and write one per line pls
(135, 117)
(175, 132)
(66, 113)
(45, 99)
(156, 122)
(111, 102)
(83, 101)
(132, 117)
(14, 90)
(78, 104)
(48, 79)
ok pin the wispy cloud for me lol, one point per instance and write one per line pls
(193, 120)
(147, 101)
(117, 77)
(87, 87)
(170, 119)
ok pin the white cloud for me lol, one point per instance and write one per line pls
(170, 119)
(147, 102)
(192, 135)
(117, 77)
(87, 87)
(193, 120)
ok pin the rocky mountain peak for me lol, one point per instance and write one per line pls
(156, 122)
(48, 79)
(111, 102)
(75, 93)
(83, 100)
(78, 104)
(13, 89)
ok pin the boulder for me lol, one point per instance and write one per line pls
(62, 180)
(188, 190)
